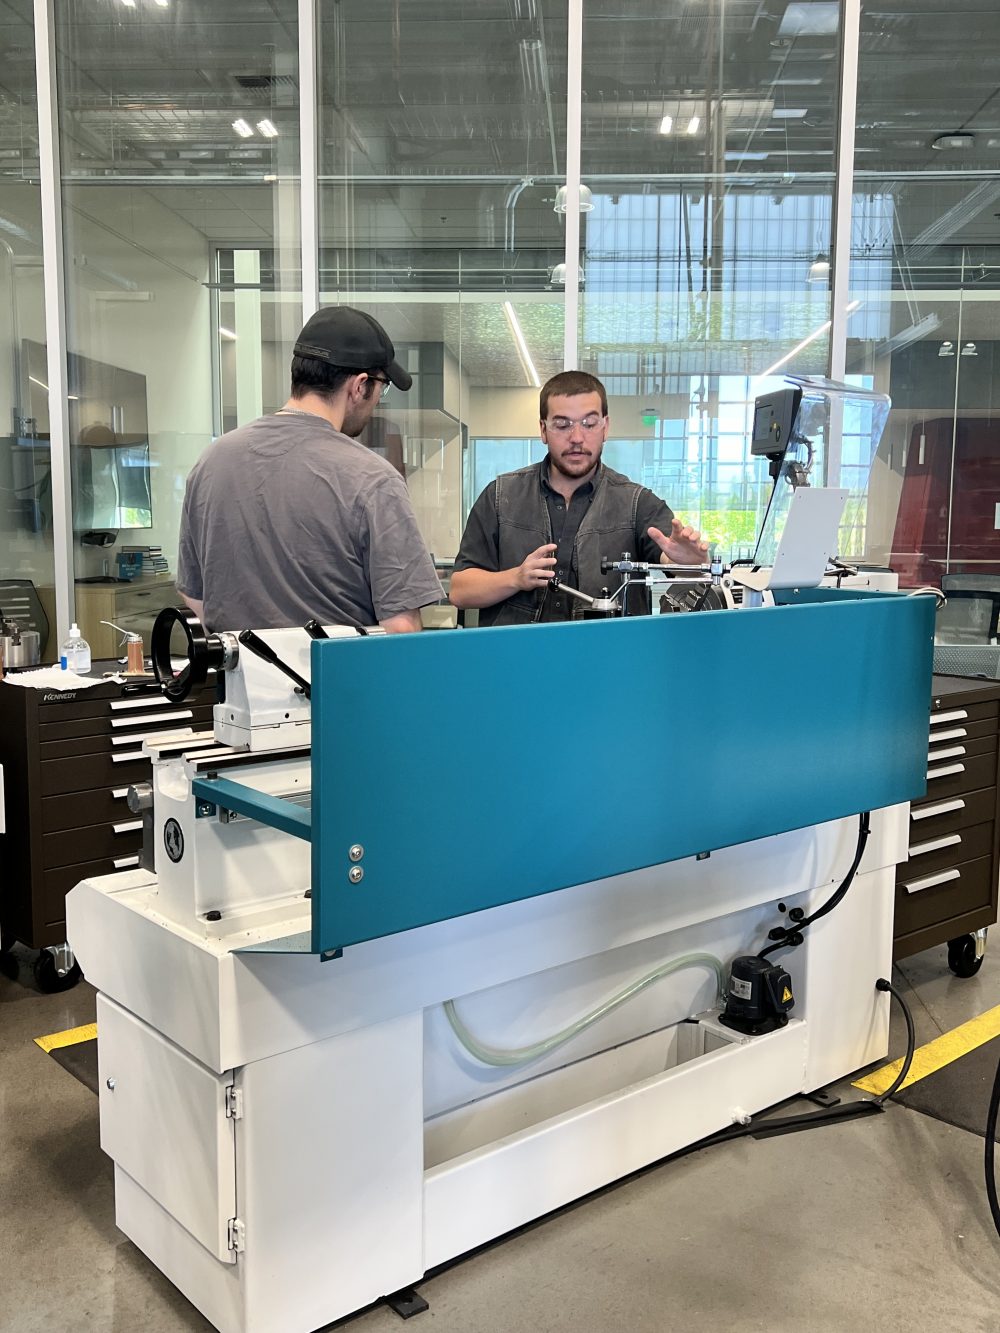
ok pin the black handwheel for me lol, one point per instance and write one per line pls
(48, 978)
(962, 956)
(202, 650)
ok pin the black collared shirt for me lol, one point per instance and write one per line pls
(565, 520)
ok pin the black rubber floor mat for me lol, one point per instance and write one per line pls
(81, 1061)
(958, 1094)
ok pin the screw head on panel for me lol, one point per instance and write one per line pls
(355, 874)
(356, 852)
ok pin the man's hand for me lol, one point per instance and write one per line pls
(684, 546)
(537, 569)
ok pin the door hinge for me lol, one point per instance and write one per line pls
(234, 1103)
(236, 1235)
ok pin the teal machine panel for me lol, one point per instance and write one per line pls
(475, 768)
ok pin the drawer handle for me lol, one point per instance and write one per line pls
(956, 715)
(153, 701)
(119, 793)
(131, 826)
(123, 862)
(935, 845)
(942, 808)
(157, 718)
(955, 734)
(953, 752)
(127, 758)
(932, 773)
(931, 881)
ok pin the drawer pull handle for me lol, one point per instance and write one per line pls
(956, 715)
(931, 881)
(153, 701)
(119, 793)
(123, 862)
(955, 734)
(946, 772)
(942, 808)
(139, 720)
(935, 845)
(953, 752)
(129, 827)
(127, 758)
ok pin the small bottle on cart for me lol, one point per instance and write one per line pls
(75, 652)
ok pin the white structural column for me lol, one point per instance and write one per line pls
(574, 96)
(840, 240)
(309, 113)
(54, 279)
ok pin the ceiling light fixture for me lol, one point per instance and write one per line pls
(694, 125)
(227, 334)
(522, 346)
(789, 113)
(817, 333)
(267, 128)
(969, 350)
(666, 124)
(947, 348)
(586, 199)
(163, 3)
(961, 141)
(243, 129)
(129, 4)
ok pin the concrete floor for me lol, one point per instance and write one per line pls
(879, 1222)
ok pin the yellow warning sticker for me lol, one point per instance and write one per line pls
(786, 995)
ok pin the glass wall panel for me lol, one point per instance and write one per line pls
(179, 142)
(26, 559)
(442, 148)
(707, 146)
(925, 273)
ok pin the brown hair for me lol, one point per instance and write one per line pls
(570, 383)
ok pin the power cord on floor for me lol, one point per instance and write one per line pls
(864, 1106)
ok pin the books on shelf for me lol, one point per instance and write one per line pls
(152, 558)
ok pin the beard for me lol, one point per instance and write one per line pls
(576, 465)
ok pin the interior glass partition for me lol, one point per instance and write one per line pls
(442, 136)
(924, 275)
(27, 592)
(178, 135)
(707, 148)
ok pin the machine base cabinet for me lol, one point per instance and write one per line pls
(296, 1138)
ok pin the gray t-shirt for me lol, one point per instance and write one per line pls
(287, 519)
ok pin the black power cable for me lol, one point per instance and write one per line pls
(864, 1106)
(791, 936)
(991, 1134)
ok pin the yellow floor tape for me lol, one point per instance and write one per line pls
(68, 1038)
(937, 1053)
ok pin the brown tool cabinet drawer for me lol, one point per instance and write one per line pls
(125, 724)
(57, 883)
(938, 851)
(103, 805)
(959, 732)
(954, 776)
(964, 749)
(105, 745)
(122, 838)
(959, 714)
(83, 772)
(931, 818)
(924, 899)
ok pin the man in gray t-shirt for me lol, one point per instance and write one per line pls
(289, 518)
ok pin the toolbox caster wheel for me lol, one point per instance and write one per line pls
(47, 974)
(962, 956)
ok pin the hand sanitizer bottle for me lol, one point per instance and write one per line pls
(75, 652)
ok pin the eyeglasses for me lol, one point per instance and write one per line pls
(562, 425)
(386, 386)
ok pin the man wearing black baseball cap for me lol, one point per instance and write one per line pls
(289, 518)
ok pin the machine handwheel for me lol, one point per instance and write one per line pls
(47, 976)
(962, 956)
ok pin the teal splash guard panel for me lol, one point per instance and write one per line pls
(476, 768)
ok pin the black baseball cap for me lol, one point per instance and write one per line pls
(351, 340)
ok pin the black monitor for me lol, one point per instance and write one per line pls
(773, 420)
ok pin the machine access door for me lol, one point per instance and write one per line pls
(164, 1122)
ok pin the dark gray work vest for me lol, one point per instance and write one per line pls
(607, 529)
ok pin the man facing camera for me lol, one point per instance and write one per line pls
(559, 517)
